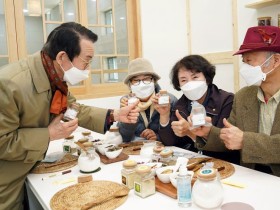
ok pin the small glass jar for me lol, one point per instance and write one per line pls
(157, 149)
(131, 99)
(163, 99)
(166, 156)
(147, 149)
(68, 145)
(71, 112)
(207, 191)
(198, 114)
(128, 173)
(144, 184)
(87, 145)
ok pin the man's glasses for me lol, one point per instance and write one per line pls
(146, 81)
(87, 63)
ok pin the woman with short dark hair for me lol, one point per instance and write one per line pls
(194, 75)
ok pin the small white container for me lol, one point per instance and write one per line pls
(113, 154)
(89, 162)
(207, 191)
(113, 136)
(162, 174)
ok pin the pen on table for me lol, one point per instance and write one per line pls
(56, 174)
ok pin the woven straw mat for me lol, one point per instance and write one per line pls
(132, 148)
(75, 196)
(68, 161)
(226, 172)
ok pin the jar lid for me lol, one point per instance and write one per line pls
(158, 149)
(88, 144)
(75, 105)
(166, 153)
(163, 91)
(207, 174)
(83, 140)
(129, 164)
(116, 129)
(86, 133)
(143, 169)
(70, 137)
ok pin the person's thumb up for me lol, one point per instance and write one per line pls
(178, 115)
(226, 123)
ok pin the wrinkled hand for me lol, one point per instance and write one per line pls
(59, 130)
(202, 131)
(162, 110)
(231, 136)
(181, 127)
(127, 114)
(149, 134)
(123, 101)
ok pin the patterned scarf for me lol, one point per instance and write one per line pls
(145, 105)
(59, 88)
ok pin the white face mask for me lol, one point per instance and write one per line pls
(75, 75)
(194, 90)
(142, 90)
(253, 75)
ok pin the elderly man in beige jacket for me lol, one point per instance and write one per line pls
(34, 96)
(254, 123)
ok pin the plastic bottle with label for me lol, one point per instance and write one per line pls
(184, 187)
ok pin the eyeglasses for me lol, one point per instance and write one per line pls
(87, 63)
(146, 81)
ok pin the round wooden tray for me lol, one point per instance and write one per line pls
(75, 196)
(132, 148)
(225, 168)
(68, 161)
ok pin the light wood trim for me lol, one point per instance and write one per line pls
(134, 29)
(189, 26)
(101, 25)
(235, 45)
(11, 30)
(53, 22)
(44, 21)
(20, 28)
(262, 4)
(82, 4)
(219, 57)
(103, 91)
(114, 27)
(112, 55)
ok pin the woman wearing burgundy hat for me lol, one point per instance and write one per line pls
(254, 124)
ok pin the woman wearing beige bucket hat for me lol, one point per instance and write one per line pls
(142, 81)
